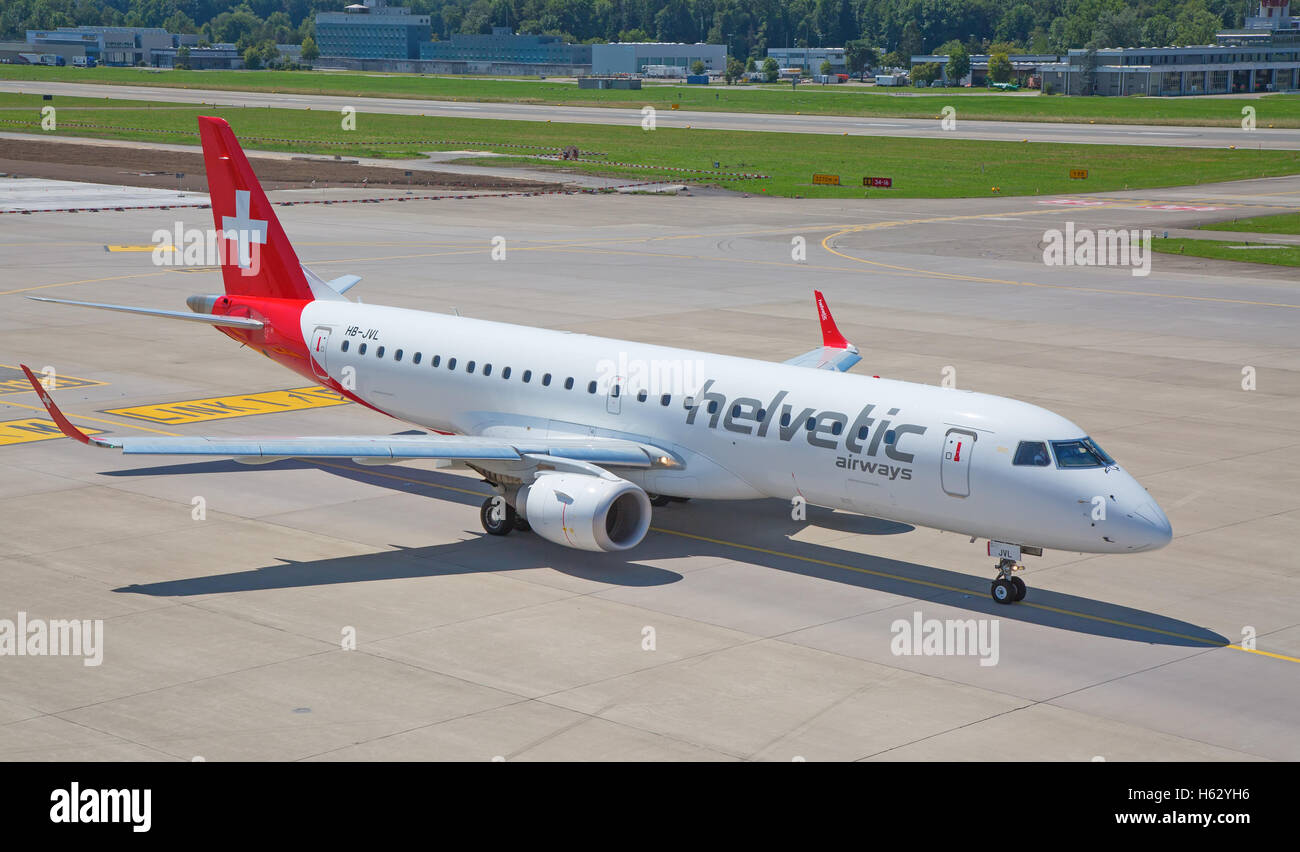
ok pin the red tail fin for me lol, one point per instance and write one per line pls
(258, 259)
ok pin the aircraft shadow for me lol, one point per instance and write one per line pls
(683, 530)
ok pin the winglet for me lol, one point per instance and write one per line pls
(831, 337)
(65, 425)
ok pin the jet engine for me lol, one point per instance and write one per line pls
(586, 512)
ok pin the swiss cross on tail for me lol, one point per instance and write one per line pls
(243, 230)
(261, 261)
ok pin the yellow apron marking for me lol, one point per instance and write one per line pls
(32, 429)
(12, 380)
(222, 407)
(140, 248)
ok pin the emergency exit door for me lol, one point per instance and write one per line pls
(954, 470)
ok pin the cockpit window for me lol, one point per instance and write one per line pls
(1081, 453)
(1032, 453)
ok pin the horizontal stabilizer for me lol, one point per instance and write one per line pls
(210, 319)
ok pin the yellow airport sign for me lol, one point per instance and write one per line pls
(12, 380)
(33, 429)
(222, 407)
(1078, 174)
(826, 180)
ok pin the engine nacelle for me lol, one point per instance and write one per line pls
(586, 512)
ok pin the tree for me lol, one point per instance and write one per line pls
(771, 71)
(859, 55)
(825, 68)
(310, 52)
(697, 67)
(926, 72)
(958, 63)
(999, 68)
(183, 57)
(751, 65)
(909, 43)
(252, 58)
(735, 70)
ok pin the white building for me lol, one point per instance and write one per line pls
(633, 57)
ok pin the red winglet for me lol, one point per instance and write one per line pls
(65, 425)
(831, 336)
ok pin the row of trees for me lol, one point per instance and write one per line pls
(747, 27)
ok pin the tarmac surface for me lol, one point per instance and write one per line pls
(732, 632)
(1005, 131)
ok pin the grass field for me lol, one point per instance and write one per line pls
(971, 104)
(919, 167)
(1229, 250)
(1283, 223)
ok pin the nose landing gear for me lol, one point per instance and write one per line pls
(1007, 588)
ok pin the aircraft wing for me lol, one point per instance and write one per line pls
(835, 353)
(611, 452)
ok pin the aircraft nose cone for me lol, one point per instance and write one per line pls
(1156, 531)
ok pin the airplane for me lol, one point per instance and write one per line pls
(580, 436)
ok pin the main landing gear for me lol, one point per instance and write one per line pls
(500, 518)
(1007, 588)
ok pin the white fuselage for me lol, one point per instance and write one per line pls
(913, 453)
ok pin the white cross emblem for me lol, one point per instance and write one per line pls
(243, 229)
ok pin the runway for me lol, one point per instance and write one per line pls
(1002, 131)
(225, 637)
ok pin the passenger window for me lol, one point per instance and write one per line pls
(436, 359)
(642, 396)
(785, 419)
(528, 376)
(862, 433)
(591, 387)
(361, 350)
(344, 347)
(487, 369)
(713, 406)
(568, 383)
(811, 424)
(451, 363)
(837, 427)
(1032, 454)
(665, 399)
(379, 353)
(415, 359)
(469, 366)
(615, 391)
(505, 373)
(546, 380)
(397, 356)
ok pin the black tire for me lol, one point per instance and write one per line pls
(521, 524)
(680, 499)
(1021, 588)
(1003, 592)
(494, 522)
(659, 499)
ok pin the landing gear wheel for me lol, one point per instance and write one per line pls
(659, 499)
(521, 524)
(680, 499)
(1021, 588)
(497, 516)
(1003, 592)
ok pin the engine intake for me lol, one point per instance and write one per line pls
(586, 512)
